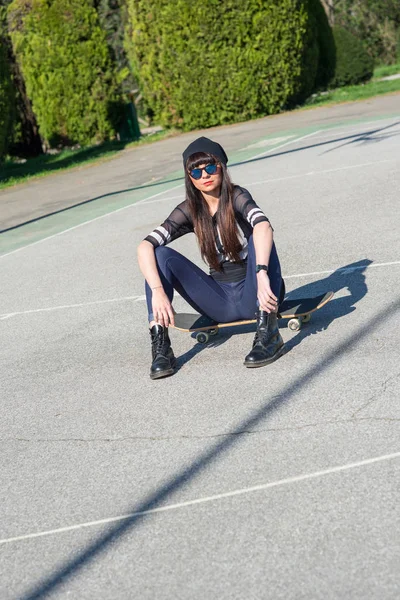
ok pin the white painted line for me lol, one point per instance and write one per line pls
(149, 199)
(293, 141)
(266, 142)
(107, 214)
(176, 295)
(323, 171)
(344, 270)
(205, 499)
(78, 305)
(360, 129)
(113, 212)
(272, 180)
(158, 200)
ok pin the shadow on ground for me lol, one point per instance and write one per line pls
(350, 278)
(350, 139)
(188, 474)
(48, 163)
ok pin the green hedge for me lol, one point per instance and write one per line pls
(374, 23)
(398, 46)
(353, 64)
(68, 72)
(213, 62)
(6, 98)
(326, 45)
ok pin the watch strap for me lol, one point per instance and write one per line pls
(261, 268)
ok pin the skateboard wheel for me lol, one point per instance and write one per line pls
(202, 337)
(213, 331)
(294, 324)
(306, 318)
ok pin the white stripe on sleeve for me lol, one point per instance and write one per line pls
(164, 232)
(157, 237)
(254, 214)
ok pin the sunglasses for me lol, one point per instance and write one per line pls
(209, 169)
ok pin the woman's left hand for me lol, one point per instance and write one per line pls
(267, 299)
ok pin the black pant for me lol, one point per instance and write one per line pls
(223, 302)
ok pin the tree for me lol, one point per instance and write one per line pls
(24, 138)
(113, 18)
(6, 97)
(67, 68)
(375, 22)
(213, 62)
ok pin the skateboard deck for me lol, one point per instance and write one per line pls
(298, 311)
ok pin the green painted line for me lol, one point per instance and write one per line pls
(72, 217)
(44, 228)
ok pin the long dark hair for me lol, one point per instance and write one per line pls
(202, 220)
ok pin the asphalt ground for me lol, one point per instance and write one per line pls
(220, 482)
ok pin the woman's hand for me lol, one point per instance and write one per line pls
(162, 308)
(268, 301)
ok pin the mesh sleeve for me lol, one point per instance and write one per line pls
(177, 224)
(247, 208)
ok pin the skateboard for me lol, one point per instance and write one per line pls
(298, 311)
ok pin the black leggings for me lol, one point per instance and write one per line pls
(223, 302)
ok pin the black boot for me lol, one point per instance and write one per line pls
(268, 343)
(163, 357)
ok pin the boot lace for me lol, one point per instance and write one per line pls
(159, 342)
(261, 336)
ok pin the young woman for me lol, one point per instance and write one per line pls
(235, 239)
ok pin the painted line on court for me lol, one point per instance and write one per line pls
(344, 270)
(328, 130)
(269, 141)
(289, 177)
(343, 129)
(303, 137)
(77, 305)
(312, 173)
(113, 212)
(152, 198)
(274, 179)
(206, 499)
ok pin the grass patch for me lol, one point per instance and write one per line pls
(13, 172)
(386, 70)
(351, 93)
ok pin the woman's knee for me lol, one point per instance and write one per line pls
(162, 254)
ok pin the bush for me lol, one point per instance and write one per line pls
(65, 61)
(6, 98)
(353, 64)
(398, 46)
(374, 22)
(319, 55)
(326, 44)
(220, 62)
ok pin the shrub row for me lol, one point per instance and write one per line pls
(6, 97)
(65, 61)
(220, 62)
(198, 66)
(353, 63)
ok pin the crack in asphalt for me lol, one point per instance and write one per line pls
(201, 437)
(382, 390)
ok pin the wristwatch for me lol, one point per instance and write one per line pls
(261, 268)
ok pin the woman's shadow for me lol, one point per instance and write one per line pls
(350, 280)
